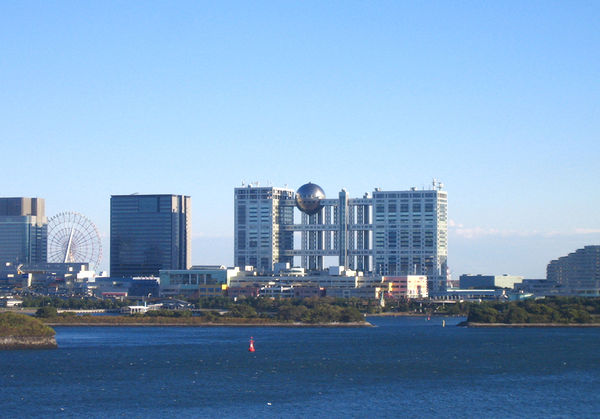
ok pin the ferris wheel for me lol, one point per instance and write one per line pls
(73, 238)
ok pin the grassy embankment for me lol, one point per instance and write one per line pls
(12, 324)
(20, 331)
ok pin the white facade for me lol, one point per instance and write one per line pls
(259, 215)
(387, 233)
(410, 234)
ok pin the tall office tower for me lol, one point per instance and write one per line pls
(260, 214)
(149, 233)
(577, 273)
(23, 230)
(410, 230)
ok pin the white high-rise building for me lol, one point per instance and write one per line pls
(23, 230)
(410, 234)
(390, 233)
(260, 213)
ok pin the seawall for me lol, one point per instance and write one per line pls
(471, 324)
(27, 342)
(215, 324)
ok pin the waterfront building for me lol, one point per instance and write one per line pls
(119, 287)
(410, 234)
(578, 273)
(407, 286)
(336, 282)
(10, 302)
(391, 233)
(149, 233)
(244, 291)
(260, 215)
(476, 295)
(198, 281)
(23, 230)
(12, 277)
(470, 281)
(538, 287)
(41, 275)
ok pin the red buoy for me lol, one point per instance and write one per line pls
(251, 348)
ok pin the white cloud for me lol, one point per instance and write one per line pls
(477, 232)
(587, 231)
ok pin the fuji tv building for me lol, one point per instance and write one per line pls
(390, 233)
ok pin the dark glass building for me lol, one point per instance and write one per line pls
(23, 230)
(149, 233)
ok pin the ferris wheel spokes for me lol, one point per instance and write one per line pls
(73, 238)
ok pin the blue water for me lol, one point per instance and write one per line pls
(405, 367)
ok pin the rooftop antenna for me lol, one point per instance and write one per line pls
(437, 184)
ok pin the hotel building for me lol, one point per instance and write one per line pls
(23, 230)
(149, 233)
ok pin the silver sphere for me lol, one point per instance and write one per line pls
(308, 198)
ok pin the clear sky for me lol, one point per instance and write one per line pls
(500, 100)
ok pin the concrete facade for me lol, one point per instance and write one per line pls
(387, 233)
(23, 230)
(408, 286)
(578, 273)
(470, 281)
(201, 281)
(259, 238)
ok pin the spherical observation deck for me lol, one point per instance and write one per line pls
(308, 198)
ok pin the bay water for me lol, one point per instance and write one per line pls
(404, 367)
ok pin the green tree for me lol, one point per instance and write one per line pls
(46, 312)
(243, 311)
(516, 315)
(291, 312)
(351, 314)
(482, 314)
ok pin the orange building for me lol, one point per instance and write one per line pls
(409, 286)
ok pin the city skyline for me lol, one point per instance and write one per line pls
(498, 101)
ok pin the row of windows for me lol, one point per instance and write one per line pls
(404, 208)
(405, 195)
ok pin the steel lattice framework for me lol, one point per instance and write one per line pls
(73, 238)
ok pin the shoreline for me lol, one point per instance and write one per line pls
(409, 314)
(27, 342)
(515, 325)
(278, 324)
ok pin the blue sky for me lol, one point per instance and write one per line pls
(499, 100)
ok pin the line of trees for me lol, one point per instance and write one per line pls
(74, 303)
(306, 311)
(310, 310)
(320, 310)
(548, 310)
